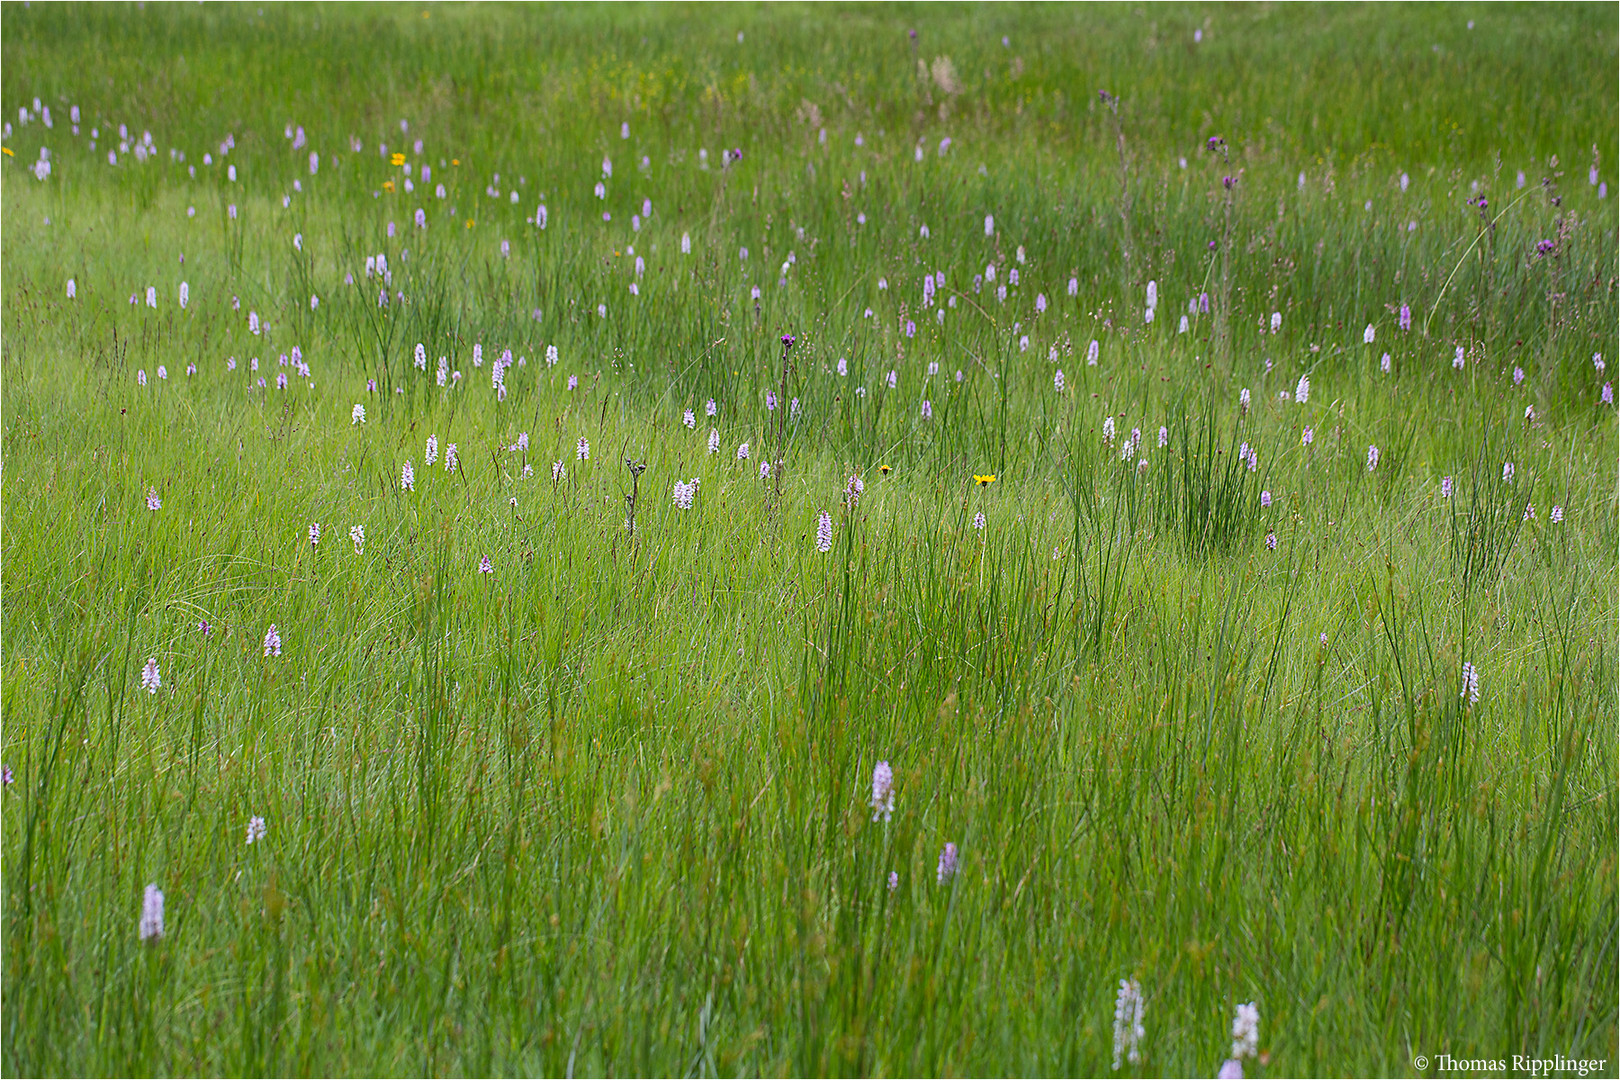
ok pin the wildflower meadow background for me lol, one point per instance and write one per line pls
(797, 540)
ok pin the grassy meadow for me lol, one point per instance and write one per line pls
(1192, 475)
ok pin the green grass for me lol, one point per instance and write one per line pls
(605, 809)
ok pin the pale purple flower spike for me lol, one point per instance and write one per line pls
(882, 791)
(151, 928)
